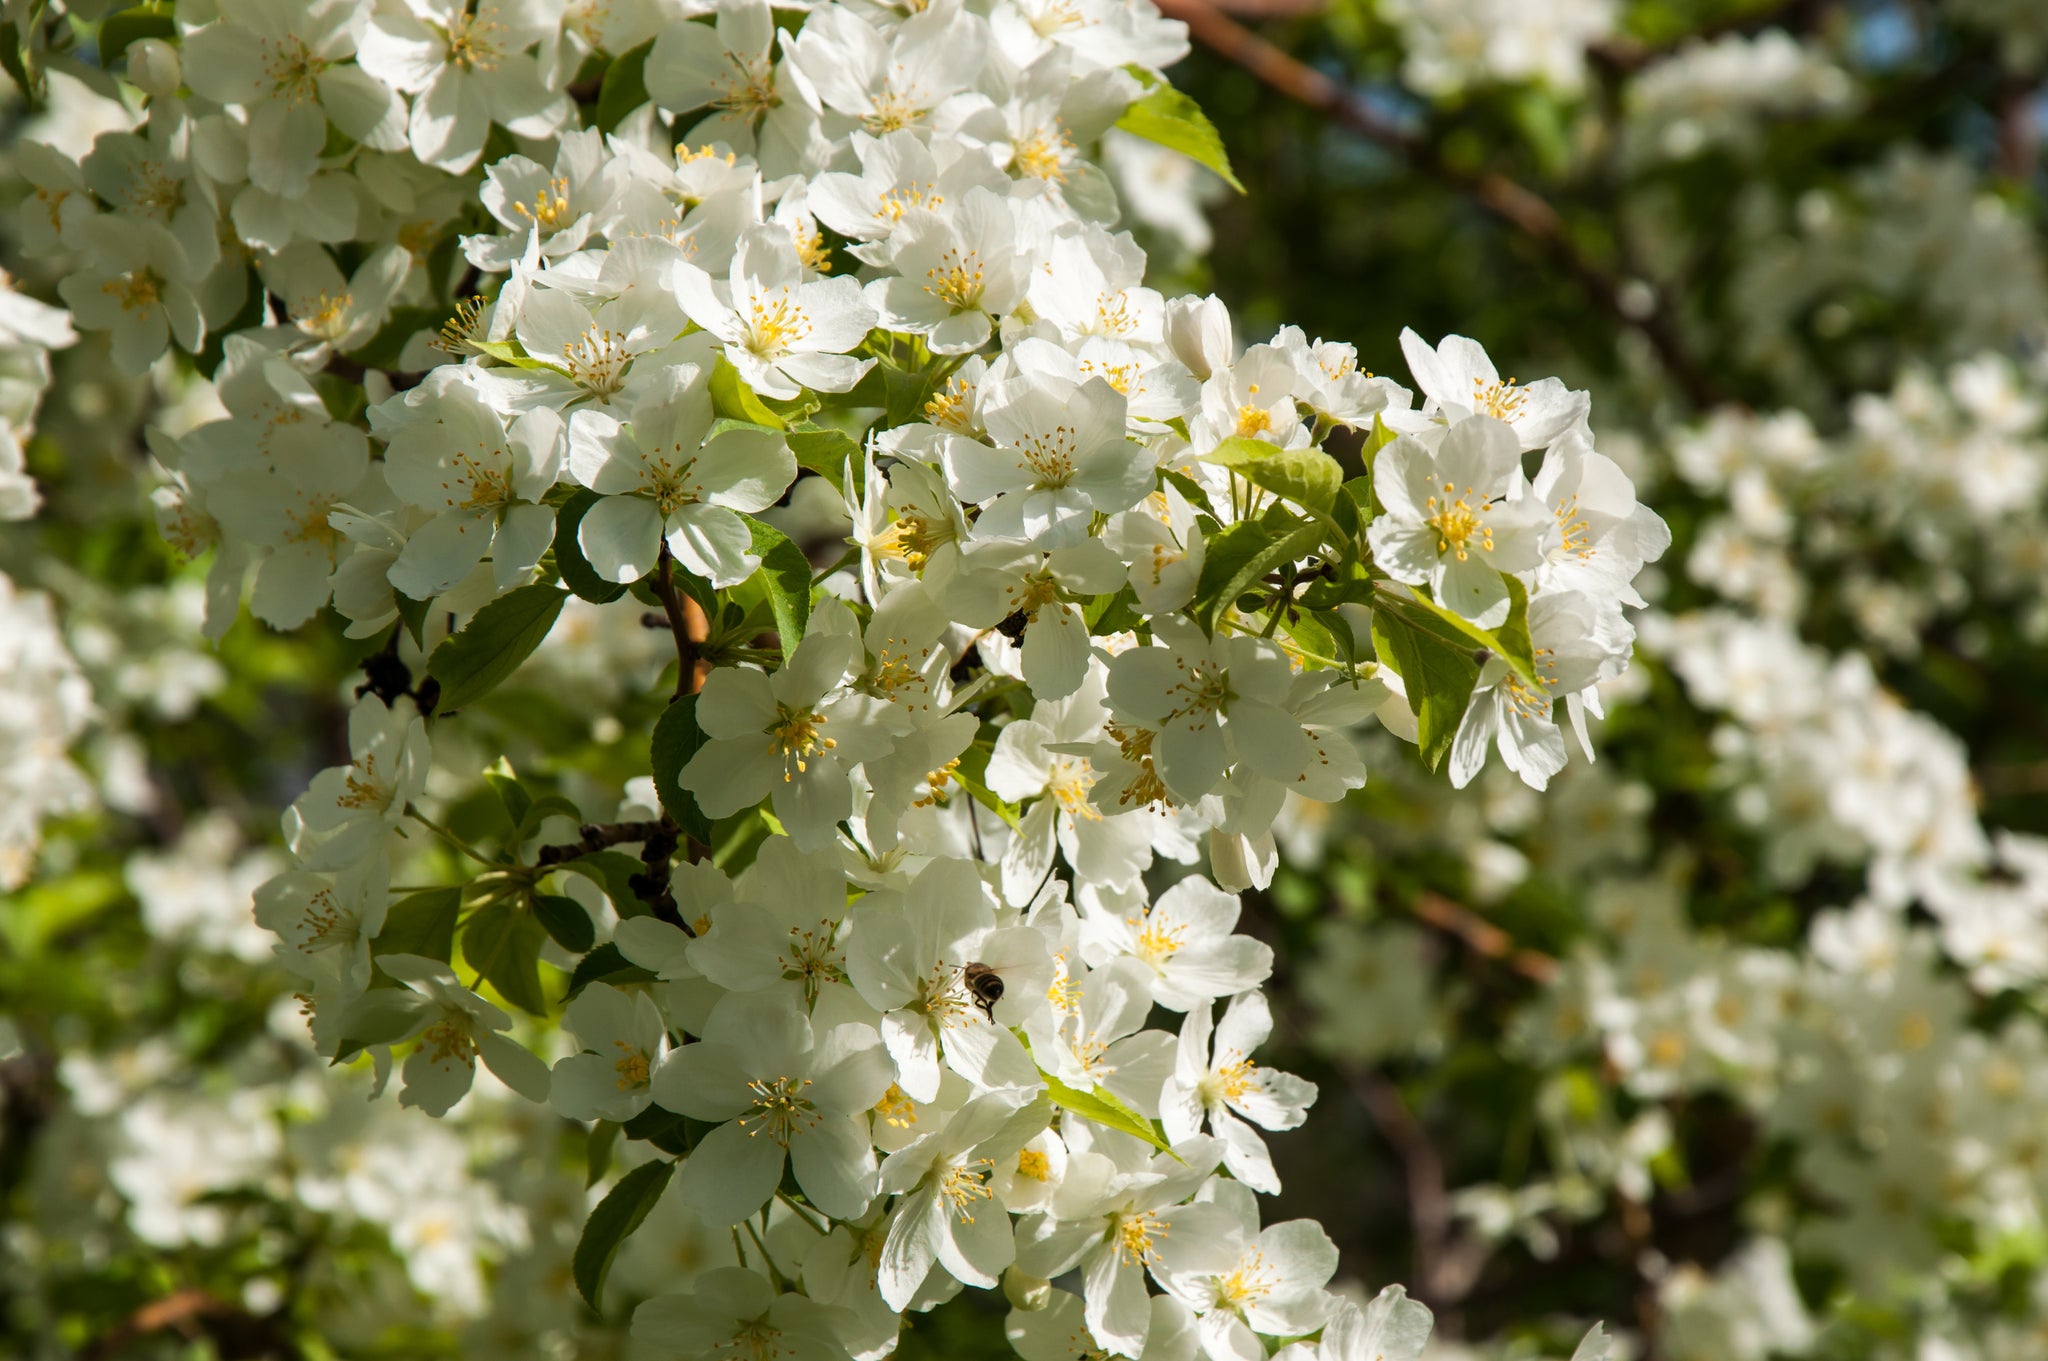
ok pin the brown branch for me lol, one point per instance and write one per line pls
(194, 1314)
(595, 837)
(1447, 1264)
(1636, 305)
(685, 621)
(1483, 937)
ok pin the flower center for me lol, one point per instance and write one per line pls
(775, 323)
(449, 1040)
(780, 1108)
(795, 738)
(1137, 1237)
(1502, 401)
(292, 70)
(550, 210)
(748, 89)
(1247, 1285)
(963, 1185)
(137, 291)
(1034, 1164)
(957, 280)
(896, 1110)
(1050, 456)
(631, 1067)
(1456, 523)
(1042, 154)
(596, 361)
(473, 44)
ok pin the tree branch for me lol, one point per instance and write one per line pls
(688, 669)
(1447, 1264)
(1483, 937)
(1636, 304)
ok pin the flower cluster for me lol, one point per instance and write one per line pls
(918, 957)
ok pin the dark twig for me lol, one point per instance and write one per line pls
(597, 836)
(387, 677)
(687, 667)
(1483, 937)
(1447, 1264)
(1634, 303)
(194, 1314)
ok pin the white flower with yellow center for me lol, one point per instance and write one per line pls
(1461, 381)
(782, 1095)
(453, 457)
(1574, 642)
(950, 1214)
(908, 956)
(1272, 1285)
(663, 481)
(899, 171)
(315, 914)
(1097, 1038)
(1115, 1223)
(733, 1314)
(792, 737)
(1060, 458)
(1599, 536)
(466, 67)
(1222, 1088)
(1215, 703)
(622, 1043)
(889, 79)
(346, 811)
(1457, 517)
(453, 1028)
(782, 333)
(1031, 763)
(1184, 939)
(955, 268)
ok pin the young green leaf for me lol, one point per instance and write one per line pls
(421, 924)
(1176, 122)
(565, 920)
(1438, 672)
(1104, 1109)
(622, 1210)
(624, 88)
(676, 739)
(502, 942)
(1308, 477)
(786, 573)
(498, 638)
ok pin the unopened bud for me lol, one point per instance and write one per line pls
(1026, 1292)
(153, 67)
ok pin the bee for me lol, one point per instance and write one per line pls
(984, 985)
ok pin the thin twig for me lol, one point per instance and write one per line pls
(1483, 937)
(595, 837)
(1447, 1264)
(1636, 304)
(664, 583)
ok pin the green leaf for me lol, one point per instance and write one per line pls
(909, 390)
(543, 807)
(1239, 555)
(502, 942)
(577, 573)
(510, 351)
(413, 613)
(824, 451)
(606, 964)
(1176, 122)
(565, 920)
(1438, 673)
(624, 88)
(1308, 477)
(1104, 1109)
(421, 924)
(505, 784)
(121, 31)
(498, 638)
(676, 739)
(1510, 642)
(611, 871)
(731, 397)
(786, 573)
(622, 1210)
(597, 1153)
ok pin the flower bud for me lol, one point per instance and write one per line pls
(153, 67)
(1029, 1293)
